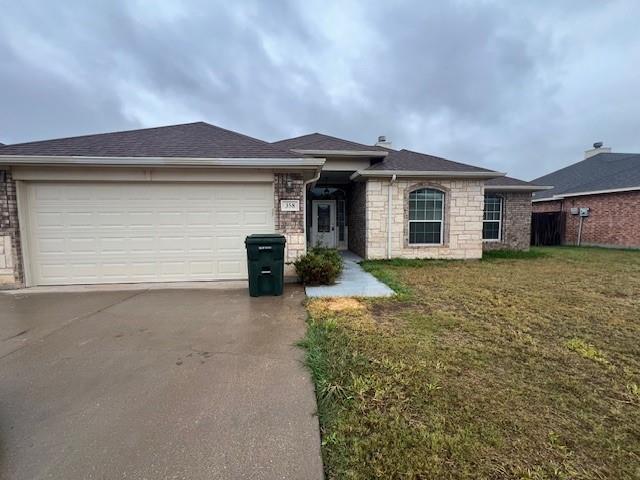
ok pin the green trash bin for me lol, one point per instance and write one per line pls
(265, 264)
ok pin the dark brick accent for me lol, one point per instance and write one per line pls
(516, 222)
(290, 224)
(357, 217)
(9, 225)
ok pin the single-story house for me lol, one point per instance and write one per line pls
(597, 199)
(175, 204)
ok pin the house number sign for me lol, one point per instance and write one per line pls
(289, 205)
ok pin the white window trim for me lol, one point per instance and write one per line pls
(499, 239)
(441, 221)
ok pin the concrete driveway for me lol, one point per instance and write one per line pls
(183, 384)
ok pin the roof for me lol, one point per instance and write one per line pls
(599, 173)
(510, 183)
(319, 141)
(407, 160)
(190, 140)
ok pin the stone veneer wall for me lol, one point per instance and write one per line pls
(290, 224)
(11, 274)
(464, 203)
(516, 222)
(356, 204)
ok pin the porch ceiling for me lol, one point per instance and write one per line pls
(334, 178)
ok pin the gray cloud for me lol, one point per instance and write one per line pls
(517, 86)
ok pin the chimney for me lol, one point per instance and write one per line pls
(382, 142)
(597, 148)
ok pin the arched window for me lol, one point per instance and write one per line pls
(426, 214)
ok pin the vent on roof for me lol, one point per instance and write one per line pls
(382, 142)
(597, 148)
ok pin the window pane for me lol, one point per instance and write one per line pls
(492, 207)
(425, 232)
(426, 204)
(324, 218)
(491, 231)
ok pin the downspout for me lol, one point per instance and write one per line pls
(314, 179)
(390, 213)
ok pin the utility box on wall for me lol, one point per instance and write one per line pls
(584, 212)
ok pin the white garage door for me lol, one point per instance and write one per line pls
(83, 233)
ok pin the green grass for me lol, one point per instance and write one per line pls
(516, 367)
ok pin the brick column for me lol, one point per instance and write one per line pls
(11, 274)
(288, 186)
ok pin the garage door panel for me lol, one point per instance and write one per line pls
(105, 233)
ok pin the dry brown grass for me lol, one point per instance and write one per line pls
(507, 368)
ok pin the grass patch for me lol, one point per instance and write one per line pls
(484, 370)
(533, 253)
(587, 350)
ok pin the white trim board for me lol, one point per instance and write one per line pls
(423, 173)
(311, 163)
(592, 192)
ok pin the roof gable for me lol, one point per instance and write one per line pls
(190, 140)
(605, 171)
(319, 141)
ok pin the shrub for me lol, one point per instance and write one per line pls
(320, 266)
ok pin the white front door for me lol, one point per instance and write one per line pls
(324, 223)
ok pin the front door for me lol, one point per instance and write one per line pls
(324, 223)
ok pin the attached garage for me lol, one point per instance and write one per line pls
(164, 204)
(86, 233)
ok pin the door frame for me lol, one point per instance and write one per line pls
(314, 221)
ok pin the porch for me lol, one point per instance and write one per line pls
(335, 213)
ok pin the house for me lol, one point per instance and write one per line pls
(175, 204)
(597, 199)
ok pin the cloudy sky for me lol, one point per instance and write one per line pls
(518, 86)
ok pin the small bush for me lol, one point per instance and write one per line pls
(320, 266)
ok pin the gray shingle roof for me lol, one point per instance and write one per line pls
(191, 140)
(413, 161)
(507, 181)
(510, 182)
(319, 141)
(605, 171)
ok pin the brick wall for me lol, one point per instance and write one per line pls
(290, 224)
(464, 202)
(516, 222)
(11, 274)
(543, 207)
(357, 218)
(613, 221)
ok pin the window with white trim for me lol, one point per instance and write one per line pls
(426, 214)
(492, 220)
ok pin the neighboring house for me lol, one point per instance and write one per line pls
(175, 204)
(605, 183)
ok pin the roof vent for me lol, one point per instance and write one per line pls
(597, 148)
(382, 142)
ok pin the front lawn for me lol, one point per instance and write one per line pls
(516, 366)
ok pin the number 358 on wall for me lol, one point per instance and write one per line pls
(289, 205)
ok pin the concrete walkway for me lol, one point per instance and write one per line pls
(354, 282)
